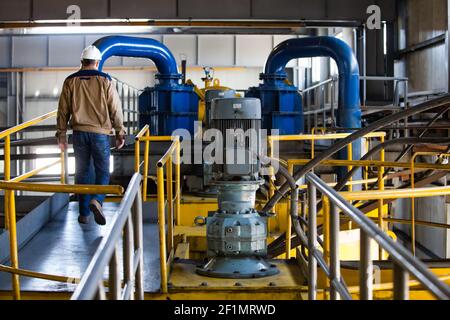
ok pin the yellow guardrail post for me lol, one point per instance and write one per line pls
(169, 205)
(178, 183)
(288, 219)
(63, 168)
(137, 155)
(271, 178)
(162, 229)
(413, 218)
(366, 169)
(380, 170)
(146, 152)
(350, 167)
(326, 238)
(10, 212)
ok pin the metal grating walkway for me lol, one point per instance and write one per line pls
(64, 247)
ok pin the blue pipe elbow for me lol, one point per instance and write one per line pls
(140, 48)
(349, 109)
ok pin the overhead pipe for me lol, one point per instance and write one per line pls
(141, 48)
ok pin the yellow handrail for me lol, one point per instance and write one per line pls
(12, 185)
(27, 124)
(397, 193)
(373, 163)
(10, 206)
(33, 172)
(167, 160)
(64, 188)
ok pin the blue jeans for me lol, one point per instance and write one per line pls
(91, 164)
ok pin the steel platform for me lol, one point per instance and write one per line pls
(64, 247)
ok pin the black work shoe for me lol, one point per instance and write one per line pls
(83, 219)
(96, 208)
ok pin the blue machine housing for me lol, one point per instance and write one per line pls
(281, 105)
(166, 108)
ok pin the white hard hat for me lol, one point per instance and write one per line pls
(91, 53)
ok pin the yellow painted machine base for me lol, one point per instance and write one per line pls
(185, 283)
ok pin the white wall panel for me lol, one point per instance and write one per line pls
(216, 50)
(252, 50)
(5, 52)
(29, 51)
(65, 51)
(182, 44)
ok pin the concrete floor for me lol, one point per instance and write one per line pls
(64, 247)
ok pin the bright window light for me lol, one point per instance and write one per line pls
(316, 69)
(87, 29)
(56, 169)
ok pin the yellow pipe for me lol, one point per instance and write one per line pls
(27, 124)
(146, 164)
(65, 188)
(177, 183)
(33, 172)
(162, 229)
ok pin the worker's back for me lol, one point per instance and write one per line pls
(91, 100)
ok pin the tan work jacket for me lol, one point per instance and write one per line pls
(91, 103)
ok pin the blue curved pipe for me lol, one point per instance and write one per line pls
(349, 109)
(140, 48)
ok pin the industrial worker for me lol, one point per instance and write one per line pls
(91, 103)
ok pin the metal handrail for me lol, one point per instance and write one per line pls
(404, 262)
(128, 220)
(9, 199)
(332, 82)
(173, 212)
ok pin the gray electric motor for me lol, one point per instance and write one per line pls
(236, 233)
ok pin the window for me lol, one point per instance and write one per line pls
(56, 169)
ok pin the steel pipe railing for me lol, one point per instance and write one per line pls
(128, 221)
(166, 246)
(405, 263)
